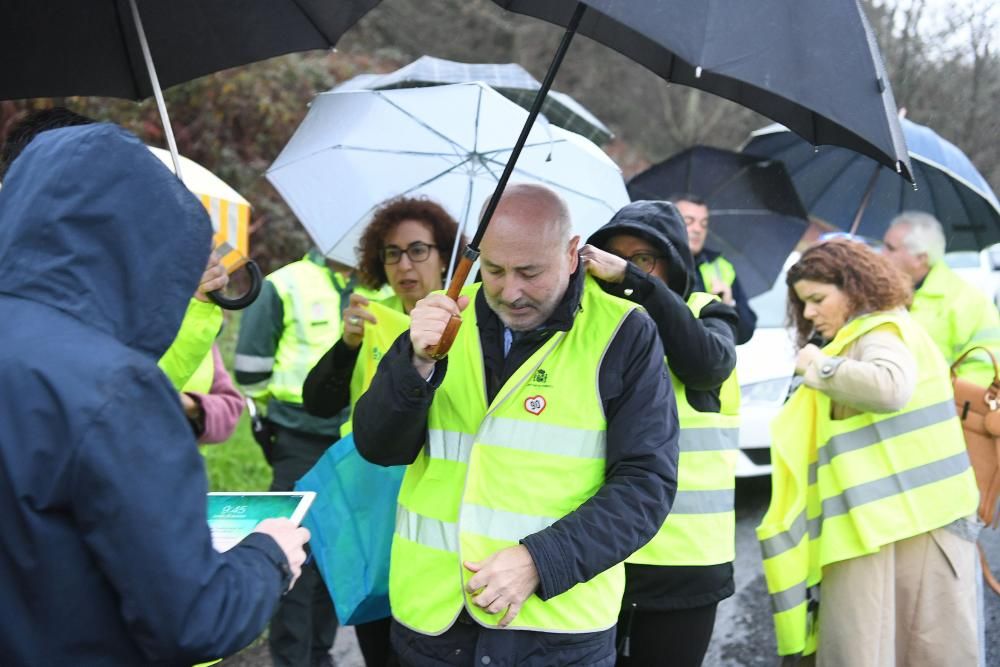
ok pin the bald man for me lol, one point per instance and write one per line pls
(540, 453)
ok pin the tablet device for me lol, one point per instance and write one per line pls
(233, 516)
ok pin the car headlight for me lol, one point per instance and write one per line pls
(767, 392)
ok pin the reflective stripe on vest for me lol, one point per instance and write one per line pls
(701, 526)
(718, 269)
(845, 488)
(491, 475)
(312, 309)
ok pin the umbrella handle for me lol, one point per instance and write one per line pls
(440, 351)
(241, 302)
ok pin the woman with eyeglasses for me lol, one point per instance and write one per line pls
(674, 584)
(407, 245)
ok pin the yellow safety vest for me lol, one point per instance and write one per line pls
(202, 322)
(718, 269)
(958, 317)
(844, 488)
(377, 340)
(201, 381)
(311, 299)
(701, 526)
(492, 474)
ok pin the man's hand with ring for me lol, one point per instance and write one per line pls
(355, 316)
(503, 582)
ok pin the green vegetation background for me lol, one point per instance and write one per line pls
(238, 463)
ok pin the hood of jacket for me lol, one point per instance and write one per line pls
(659, 223)
(92, 224)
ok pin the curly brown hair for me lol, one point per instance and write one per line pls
(870, 281)
(371, 271)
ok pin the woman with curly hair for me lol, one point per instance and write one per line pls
(872, 492)
(407, 245)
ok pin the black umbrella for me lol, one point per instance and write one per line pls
(813, 66)
(859, 195)
(756, 217)
(107, 48)
(67, 47)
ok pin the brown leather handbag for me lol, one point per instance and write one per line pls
(979, 410)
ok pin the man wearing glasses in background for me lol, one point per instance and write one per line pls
(714, 274)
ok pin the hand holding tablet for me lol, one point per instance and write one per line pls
(233, 516)
(291, 538)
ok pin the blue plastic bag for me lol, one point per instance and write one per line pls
(352, 522)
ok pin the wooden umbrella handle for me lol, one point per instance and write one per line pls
(440, 351)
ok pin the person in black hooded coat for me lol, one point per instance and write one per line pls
(642, 255)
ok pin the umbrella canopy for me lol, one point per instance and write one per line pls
(356, 149)
(756, 217)
(229, 211)
(106, 48)
(66, 47)
(510, 80)
(837, 185)
(813, 66)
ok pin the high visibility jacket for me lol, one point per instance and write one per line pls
(958, 316)
(845, 488)
(494, 473)
(718, 269)
(312, 298)
(701, 526)
(193, 343)
(377, 339)
(201, 381)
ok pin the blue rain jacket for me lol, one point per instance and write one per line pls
(105, 553)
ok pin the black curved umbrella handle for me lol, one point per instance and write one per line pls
(241, 302)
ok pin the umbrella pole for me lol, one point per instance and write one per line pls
(155, 83)
(471, 252)
(869, 191)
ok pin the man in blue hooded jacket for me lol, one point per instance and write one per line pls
(105, 553)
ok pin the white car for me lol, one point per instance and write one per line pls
(981, 269)
(765, 367)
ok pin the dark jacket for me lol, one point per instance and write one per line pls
(327, 389)
(700, 351)
(105, 553)
(390, 428)
(748, 318)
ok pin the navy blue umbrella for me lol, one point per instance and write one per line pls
(756, 217)
(855, 193)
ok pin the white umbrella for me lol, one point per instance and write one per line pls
(450, 143)
(509, 79)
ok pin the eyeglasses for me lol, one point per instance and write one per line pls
(646, 261)
(418, 251)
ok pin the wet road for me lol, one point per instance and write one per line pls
(744, 635)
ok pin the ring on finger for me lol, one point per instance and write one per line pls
(354, 319)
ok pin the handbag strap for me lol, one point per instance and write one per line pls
(996, 366)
